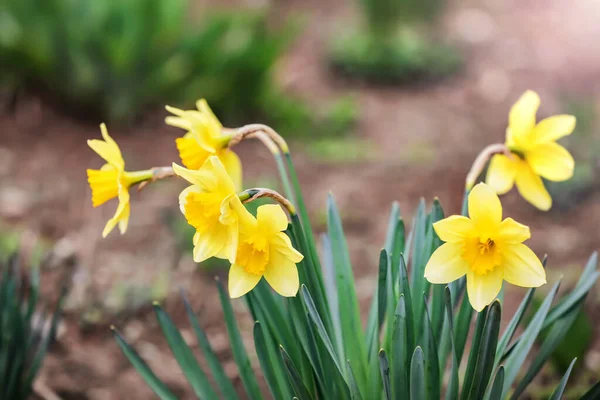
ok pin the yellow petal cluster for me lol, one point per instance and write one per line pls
(264, 250)
(111, 181)
(485, 248)
(210, 205)
(204, 138)
(535, 153)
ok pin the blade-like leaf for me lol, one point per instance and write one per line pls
(300, 388)
(143, 369)
(219, 375)
(384, 367)
(437, 298)
(417, 375)
(406, 291)
(237, 347)
(512, 326)
(497, 386)
(515, 361)
(432, 372)
(400, 353)
(452, 390)
(560, 389)
(487, 352)
(593, 393)
(184, 356)
(270, 365)
(474, 353)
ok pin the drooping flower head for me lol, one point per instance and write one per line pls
(111, 181)
(204, 138)
(536, 154)
(264, 250)
(485, 248)
(210, 205)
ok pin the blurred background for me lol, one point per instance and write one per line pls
(382, 100)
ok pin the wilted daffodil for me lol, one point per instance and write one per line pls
(485, 248)
(535, 152)
(112, 180)
(264, 250)
(204, 138)
(210, 205)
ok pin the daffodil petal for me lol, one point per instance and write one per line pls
(229, 250)
(521, 119)
(205, 109)
(212, 242)
(124, 220)
(531, 187)
(512, 232)
(455, 228)
(203, 177)
(271, 218)
(179, 122)
(223, 177)
(183, 196)
(446, 264)
(485, 209)
(483, 289)
(501, 173)
(553, 128)
(121, 214)
(240, 281)
(192, 155)
(282, 244)
(522, 267)
(233, 166)
(551, 161)
(282, 275)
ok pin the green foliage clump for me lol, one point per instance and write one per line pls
(26, 330)
(110, 59)
(396, 42)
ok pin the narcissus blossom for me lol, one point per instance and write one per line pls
(210, 205)
(264, 250)
(535, 152)
(485, 248)
(112, 181)
(204, 138)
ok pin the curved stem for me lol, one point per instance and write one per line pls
(257, 193)
(481, 161)
(158, 173)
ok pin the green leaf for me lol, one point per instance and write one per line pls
(184, 356)
(432, 372)
(474, 353)
(270, 365)
(300, 388)
(384, 367)
(237, 347)
(332, 295)
(512, 326)
(452, 390)
(382, 292)
(463, 326)
(515, 361)
(400, 351)
(487, 352)
(560, 389)
(351, 327)
(417, 375)
(219, 375)
(557, 333)
(143, 369)
(354, 390)
(406, 291)
(497, 386)
(437, 300)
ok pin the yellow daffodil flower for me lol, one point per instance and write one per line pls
(485, 248)
(112, 181)
(264, 250)
(210, 205)
(536, 154)
(204, 138)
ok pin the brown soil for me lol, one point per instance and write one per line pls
(424, 140)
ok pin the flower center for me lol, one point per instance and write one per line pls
(104, 183)
(253, 255)
(482, 255)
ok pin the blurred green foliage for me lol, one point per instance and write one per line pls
(109, 59)
(396, 42)
(26, 328)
